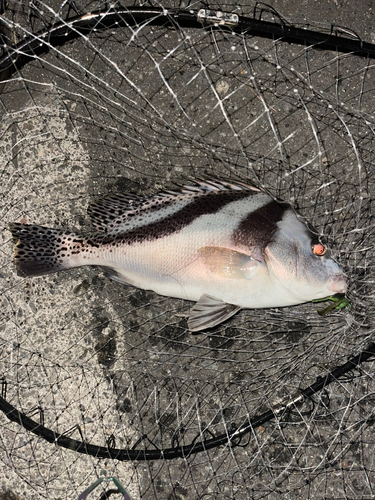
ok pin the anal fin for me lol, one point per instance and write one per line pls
(115, 275)
(209, 312)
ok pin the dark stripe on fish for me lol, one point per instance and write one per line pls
(256, 229)
(209, 203)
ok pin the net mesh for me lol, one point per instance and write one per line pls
(136, 108)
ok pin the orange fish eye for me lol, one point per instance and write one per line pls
(319, 249)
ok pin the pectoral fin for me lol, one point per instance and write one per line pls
(228, 263)
(209, 312)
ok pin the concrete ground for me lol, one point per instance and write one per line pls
(104, 363)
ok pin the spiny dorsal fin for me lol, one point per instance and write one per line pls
(114, 210)
(203, 184)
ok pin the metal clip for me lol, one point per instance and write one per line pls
(217, 17)
(121, 489)
(288, 402)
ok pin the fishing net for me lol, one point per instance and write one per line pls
(103, 380)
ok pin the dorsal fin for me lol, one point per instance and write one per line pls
(106, 210)
(114, 210)
(203, 184)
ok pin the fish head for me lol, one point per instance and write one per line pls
(300, 263)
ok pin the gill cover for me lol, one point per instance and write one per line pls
(293, 264)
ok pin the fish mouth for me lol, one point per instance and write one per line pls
(338, 283)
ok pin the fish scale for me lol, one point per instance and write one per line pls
(225, 245)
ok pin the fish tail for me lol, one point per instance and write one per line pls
(41, 250)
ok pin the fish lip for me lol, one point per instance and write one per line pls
(338, 283)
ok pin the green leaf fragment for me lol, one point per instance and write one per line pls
(339, 302)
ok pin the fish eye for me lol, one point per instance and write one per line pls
(319, 249)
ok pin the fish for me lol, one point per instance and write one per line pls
(225, 245)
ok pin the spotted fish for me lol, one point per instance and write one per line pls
(226, 245)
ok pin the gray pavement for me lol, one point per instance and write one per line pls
(135, 111)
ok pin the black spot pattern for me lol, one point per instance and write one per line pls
(115, 210)
(103, 212)
(41, 250)
(210, 203)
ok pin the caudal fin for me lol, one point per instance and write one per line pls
(41, 250)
